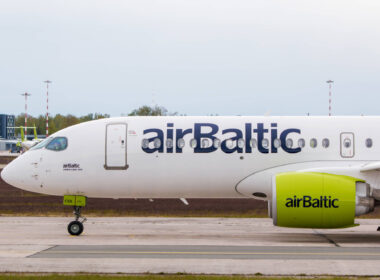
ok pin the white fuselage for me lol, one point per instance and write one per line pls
(115, 158)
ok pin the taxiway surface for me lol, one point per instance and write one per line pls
(210, 252)
(190, 245)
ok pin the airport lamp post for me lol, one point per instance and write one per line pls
(330, 82)
(47, 107)
(26, 109)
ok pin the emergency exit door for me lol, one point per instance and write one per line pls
(116, 146)
(347, 144)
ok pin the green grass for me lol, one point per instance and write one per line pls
(152, 277)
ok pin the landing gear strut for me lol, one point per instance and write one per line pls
(75, 227)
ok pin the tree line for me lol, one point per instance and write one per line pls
(58, 121)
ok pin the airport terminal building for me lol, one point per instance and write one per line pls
(7, 124)
(7, 132)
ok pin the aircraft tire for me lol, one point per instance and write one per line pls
(75, 228)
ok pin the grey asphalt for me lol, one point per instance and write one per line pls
(186, 245)
(211, 252)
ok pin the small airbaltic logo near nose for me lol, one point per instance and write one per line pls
(309, 202)
(72, 167)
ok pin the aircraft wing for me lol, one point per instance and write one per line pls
(373, 166)
(29, 144)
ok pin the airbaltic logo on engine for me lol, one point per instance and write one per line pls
(208, 133)
(308, 201)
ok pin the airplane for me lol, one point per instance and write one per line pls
(25, 143)
(314, 172)
(22, 142)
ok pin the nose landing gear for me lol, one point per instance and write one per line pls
(75, 227)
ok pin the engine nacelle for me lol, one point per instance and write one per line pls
(318, 200)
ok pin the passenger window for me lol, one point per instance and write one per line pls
(205, 143)
(216, 143)
(289, 143)
(240, 143)
(157, 143)
(277, 143)
(57, 144)
(347, 142)
(368, 143)
(313, 143)
(253, 143)
(229, 143)
(265, 143)
(325, 143)
(180, 143)
(169, 143)
(145, 143)
(193, 143)
(301, 143)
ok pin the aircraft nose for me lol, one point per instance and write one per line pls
(22, 173)
(9, 174)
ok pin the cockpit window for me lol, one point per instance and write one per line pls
(57, 144)
(42, 144)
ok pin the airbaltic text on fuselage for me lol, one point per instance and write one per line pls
(209, 131)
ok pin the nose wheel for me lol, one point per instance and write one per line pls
(75, 227)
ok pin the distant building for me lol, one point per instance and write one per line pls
(7, 124)
(8, 145)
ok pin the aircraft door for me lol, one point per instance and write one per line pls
(116, 146)
(347, 145)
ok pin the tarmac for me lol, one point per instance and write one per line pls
(187, 245)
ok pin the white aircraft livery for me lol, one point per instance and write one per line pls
(315, 172)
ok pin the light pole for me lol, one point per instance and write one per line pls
(47, 107)
(330, 82)
(26, 109)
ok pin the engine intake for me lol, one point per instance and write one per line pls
(318, 200)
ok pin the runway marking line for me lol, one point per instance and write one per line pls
(211, 253)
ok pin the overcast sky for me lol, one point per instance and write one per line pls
(196, 57)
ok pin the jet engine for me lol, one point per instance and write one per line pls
(318, 200)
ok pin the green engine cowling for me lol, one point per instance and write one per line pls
(318, 200)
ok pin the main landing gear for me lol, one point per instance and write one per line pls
(75, 227)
